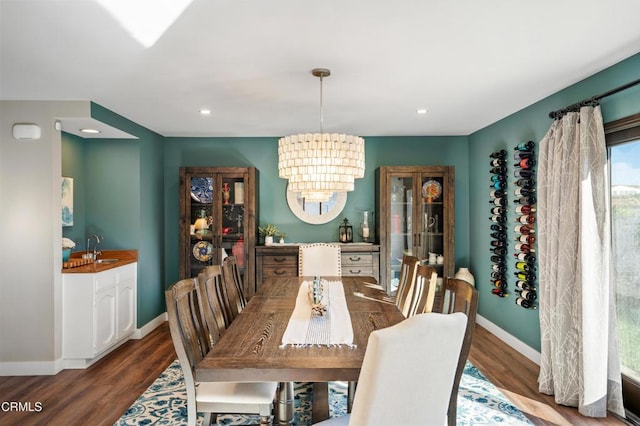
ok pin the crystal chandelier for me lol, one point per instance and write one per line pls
(319, 164)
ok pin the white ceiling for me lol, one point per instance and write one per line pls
(468, 62)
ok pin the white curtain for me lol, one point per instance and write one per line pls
(580, 362)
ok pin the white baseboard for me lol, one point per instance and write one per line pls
(139, 333)
(510, 340)
(49, 368)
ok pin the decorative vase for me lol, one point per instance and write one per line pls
(465, 275)
(238, 251)
(268, 239)
(226, 192)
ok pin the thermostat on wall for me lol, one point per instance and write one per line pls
(26, 131)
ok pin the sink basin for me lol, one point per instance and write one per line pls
(107, 260)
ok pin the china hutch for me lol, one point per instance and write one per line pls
(218, 219)
(415, 216)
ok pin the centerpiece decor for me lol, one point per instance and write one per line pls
(316, 292)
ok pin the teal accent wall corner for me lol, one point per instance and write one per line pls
(530, 123)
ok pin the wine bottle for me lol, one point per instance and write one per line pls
(527, 239)
(500, 283)
(497, 162)
(499, 267)
(500, 251)
(498, 154)
(523, 173)
(525, 229)
(526, 163)
(498, 228)
(496, 193)
(525, 303)
(498, 185)
(498, 210)
(525, 200)
(500, 292)
(519, 155)
(499, 236)
(498, 243)
(496, 178)
(524, 192)
(500, 201)
(525, 209)
(525, 182)
(527, 294)
(524, 266)
(497, 259)
(526, 218)
(525, 248)
(498, 170)
(498, 218)
(525, 276)
(525, 285)
(525, 146)
(495, 275)
(526, 257)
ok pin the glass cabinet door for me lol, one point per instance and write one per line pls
(431, 218)
(202, 247)
(232, 220)
(401, 228)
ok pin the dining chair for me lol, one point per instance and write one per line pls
(421, 292)
(459, 296)
(211, 398)
(211, 301)
(408, 270)
(232, 279)
(403, 379)
(321, 259)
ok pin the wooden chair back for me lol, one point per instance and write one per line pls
(211, 299)
(459, 296)
(320, 259)
(186, 327)
(233, 284)
(422, 292)
(407, 277)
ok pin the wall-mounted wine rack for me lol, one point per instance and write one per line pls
(525, 202)
(498, 202)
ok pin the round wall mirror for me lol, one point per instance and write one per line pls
(314, 212)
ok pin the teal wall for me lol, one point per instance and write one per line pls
(530, 123)
(73, 165)
(262, 153)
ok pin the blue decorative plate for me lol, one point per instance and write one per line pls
(202, 189)
(203, 251)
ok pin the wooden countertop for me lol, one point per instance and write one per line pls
(124, 258)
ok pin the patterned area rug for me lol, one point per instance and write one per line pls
(164, 403)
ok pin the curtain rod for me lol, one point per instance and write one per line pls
(591, 101)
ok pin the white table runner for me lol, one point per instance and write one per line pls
(332, 329)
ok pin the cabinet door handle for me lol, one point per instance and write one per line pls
(355, 272)
(279, 272)
(279, 259)
(354, 259)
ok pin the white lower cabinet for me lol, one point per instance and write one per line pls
(99, 311)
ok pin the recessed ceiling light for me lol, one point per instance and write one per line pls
(93, 131)
(205, 111)
(421, 111)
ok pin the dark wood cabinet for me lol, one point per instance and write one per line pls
(218, 210)
(282, 261)
(415, 216)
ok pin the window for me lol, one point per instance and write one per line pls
(623, 141)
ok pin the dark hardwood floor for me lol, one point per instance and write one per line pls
(100, 394)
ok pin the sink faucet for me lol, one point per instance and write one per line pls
(95, 253)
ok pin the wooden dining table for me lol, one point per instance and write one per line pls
(251, 348)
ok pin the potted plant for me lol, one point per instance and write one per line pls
(281, 236)
(268, 231)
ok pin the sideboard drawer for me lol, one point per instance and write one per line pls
(280, 260)
(357, 259)
(269, 271)
(365, 271)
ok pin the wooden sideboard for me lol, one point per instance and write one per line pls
(281, 260)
